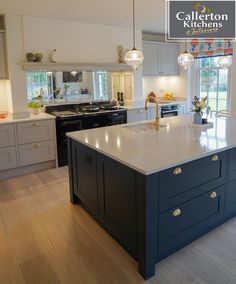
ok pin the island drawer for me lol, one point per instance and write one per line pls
(7, 135)
(189, 180)
(35, 131)
(183, 223)
(230, 198)
(232, 164)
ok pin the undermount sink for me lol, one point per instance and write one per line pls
(143, 126)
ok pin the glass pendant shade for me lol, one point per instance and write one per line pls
(134, 58)
(185, 59)
(225, 61)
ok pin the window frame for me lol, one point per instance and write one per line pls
(196, 72)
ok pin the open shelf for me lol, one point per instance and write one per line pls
(59, 66)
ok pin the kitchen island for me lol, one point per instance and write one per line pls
(155, 191)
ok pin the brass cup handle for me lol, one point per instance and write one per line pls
(213, 195)
(214, 158)
(177, 212)
(177, 171)
(35, 124)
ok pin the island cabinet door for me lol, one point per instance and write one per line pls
(231, 164)
(230, 198)
(191, 179)
(116, 192)
(187, 221)
(84, 174)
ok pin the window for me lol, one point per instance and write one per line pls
(102, 85)
(213, 82)
(37, 84)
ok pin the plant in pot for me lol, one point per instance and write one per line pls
(199, 105)
(35, 106)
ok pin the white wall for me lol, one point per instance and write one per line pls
(74, 41)
(162, 84)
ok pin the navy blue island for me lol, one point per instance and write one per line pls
(155, 191)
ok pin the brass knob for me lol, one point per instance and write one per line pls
(177, 171)
(37, 145)
(176, 212)
(215, 158)
(213, 195)
(35, 124)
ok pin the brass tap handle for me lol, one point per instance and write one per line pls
(213, 195)
(177, 212)
(214, 158)
(177, 171)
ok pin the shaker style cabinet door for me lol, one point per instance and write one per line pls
(7, 135)
(160, 59)
(151, 62)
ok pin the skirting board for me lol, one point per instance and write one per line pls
(28, 169)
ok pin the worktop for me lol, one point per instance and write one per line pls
(150, 151)
(32, 117)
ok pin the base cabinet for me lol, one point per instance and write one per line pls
(155, 215)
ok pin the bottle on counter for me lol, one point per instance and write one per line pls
(122, 99)
(118, 98)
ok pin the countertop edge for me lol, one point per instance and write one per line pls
(157, 169)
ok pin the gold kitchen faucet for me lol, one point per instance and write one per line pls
(152, 99)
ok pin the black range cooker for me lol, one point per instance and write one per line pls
(74, 117)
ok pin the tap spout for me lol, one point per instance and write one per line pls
(152, 99)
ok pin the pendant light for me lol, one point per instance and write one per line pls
(225, 61)
(185, 59)
(134, 57)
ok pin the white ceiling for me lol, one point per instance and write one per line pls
(150, 14)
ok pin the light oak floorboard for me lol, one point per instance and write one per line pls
(45, 239)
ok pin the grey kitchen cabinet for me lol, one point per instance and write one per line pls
(160, 59)
(3, 57)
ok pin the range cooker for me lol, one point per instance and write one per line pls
(74, 117)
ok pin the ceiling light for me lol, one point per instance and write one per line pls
(225, 61)
(74, 73)
(134, 57)
(185, 59)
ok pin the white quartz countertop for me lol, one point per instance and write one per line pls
(33, 117)
(150, 151)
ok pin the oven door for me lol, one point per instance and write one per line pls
(169, 113)
(62, 127)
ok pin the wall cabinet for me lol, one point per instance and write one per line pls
(160, 59)
(122, 82)
(3, 57)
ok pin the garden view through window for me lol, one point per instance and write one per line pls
(213, 83)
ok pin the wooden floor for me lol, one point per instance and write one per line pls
(45, 239)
